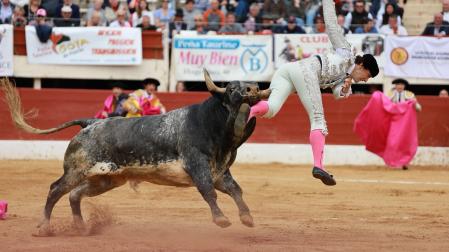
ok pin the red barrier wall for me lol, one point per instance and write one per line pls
(289, 126)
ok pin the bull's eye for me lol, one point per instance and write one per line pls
(248, 89)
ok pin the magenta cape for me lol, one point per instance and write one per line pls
(388, 129)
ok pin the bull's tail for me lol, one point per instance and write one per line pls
(18, 116)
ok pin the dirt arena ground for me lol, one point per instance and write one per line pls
(370, 209)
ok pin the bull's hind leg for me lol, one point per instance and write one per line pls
(91, 187)
(199, 171)
(229, 186)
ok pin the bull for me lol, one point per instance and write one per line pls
(190, 146)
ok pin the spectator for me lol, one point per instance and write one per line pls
(141, 10)
(146, 24)
(438, 27)
(252, 22)
(110, 12)
(97, 7)
(66, 20)
(6, 12)
(190, 12)
(31, 9)
(443, 93)
(43, 29)
(200, 25)
(445, 11)
(113, 105)
(277, 9)
(368, 27)
(75, 10)
(382, 18)
(121, 20)
(341, 23)
(292, 27)
(231, 26)
(50, 6)
(178, 24)
(96, 19)
(393, 28)
(228, 6)
(201, 5)
(180, 87)
(319, 26)
(144, 102)
(354, 19)
(214, 17)
(297, 8)
(18, 18)
(163, 16)
(311, 12)
(343, 7)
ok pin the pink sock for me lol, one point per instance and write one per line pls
(317, 140)
(260, 109)
(3, 209)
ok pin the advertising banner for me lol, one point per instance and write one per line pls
(6, 50)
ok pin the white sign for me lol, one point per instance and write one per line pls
(86, 46)
(227, 58)
(420, 57)
(6, 50)
(293, 47)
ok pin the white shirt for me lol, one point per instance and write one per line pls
(386, 30)
(446, 16)
(117, 24)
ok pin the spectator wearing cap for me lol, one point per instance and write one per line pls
(231, 26)
(6, 11)
(190, 12)
(163, 15)
(393, 27)
(113, 105)
(445, 11)
(252, 22)
(368, 27)
(121, 20)
(437, 28)
(292, 27)
(67, 20)
(214, 17)
(178, 23)
(75, 13)
(97, 7)
(142, 9)
(354, 19)
(399, 93)
(43, 28)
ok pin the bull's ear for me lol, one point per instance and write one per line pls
(211, 85)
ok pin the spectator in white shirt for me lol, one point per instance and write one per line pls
(393, 28)
(121, 20)
(142, 10)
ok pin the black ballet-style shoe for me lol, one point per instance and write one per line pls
(325, 177)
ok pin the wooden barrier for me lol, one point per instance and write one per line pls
(291, 125)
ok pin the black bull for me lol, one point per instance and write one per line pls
(190, 146)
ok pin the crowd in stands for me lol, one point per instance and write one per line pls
(223, 16)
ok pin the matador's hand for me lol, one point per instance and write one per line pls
(346, 85)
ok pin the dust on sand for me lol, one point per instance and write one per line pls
(370, 209)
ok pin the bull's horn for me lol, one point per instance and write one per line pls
(210, 84)
(264, 94)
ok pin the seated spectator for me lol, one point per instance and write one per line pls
(67, 20)
(443, 93)
(438, 27)
(180, 87)
(368, 27)
(178, 24)
(113, 105)
(354, 19)
(393, 28)
(341, 23)
(121, 20)
(292, 27)
(252, 22)
(18, 18)
(75, 10)
(110, 12)
(144, 102)
(275, 8)
(100, 19)
(231, 26)
(214, 17)
(400, 94)
(163, 16)
(297, 8)
(96, 19)
(6, 11)
(141, 10)
(319, 26)
(200, 25)
(190, 12)
(146, 24)
(228, 6)
(382, 17)
(43, 28)
(31, 9)
(445, 11)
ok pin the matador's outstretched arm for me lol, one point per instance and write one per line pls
(333, 30)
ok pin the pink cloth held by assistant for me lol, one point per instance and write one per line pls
(389, 129)
(3, 209)
(107, 107)
(317, 140)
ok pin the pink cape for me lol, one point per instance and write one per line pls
(107, 107)
(389, 129)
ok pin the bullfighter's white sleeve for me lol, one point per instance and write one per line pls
(334, 30)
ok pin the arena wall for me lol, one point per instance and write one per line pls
(284, 137)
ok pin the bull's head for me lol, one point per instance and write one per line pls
(237, 92)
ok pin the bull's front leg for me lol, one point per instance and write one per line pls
(199, 170)
(229, 186)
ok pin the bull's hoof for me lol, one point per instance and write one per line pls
(80, 226)
(43, 231)
(247, 220)
(222, 221)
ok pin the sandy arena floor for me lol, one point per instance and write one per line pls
(370, 209)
